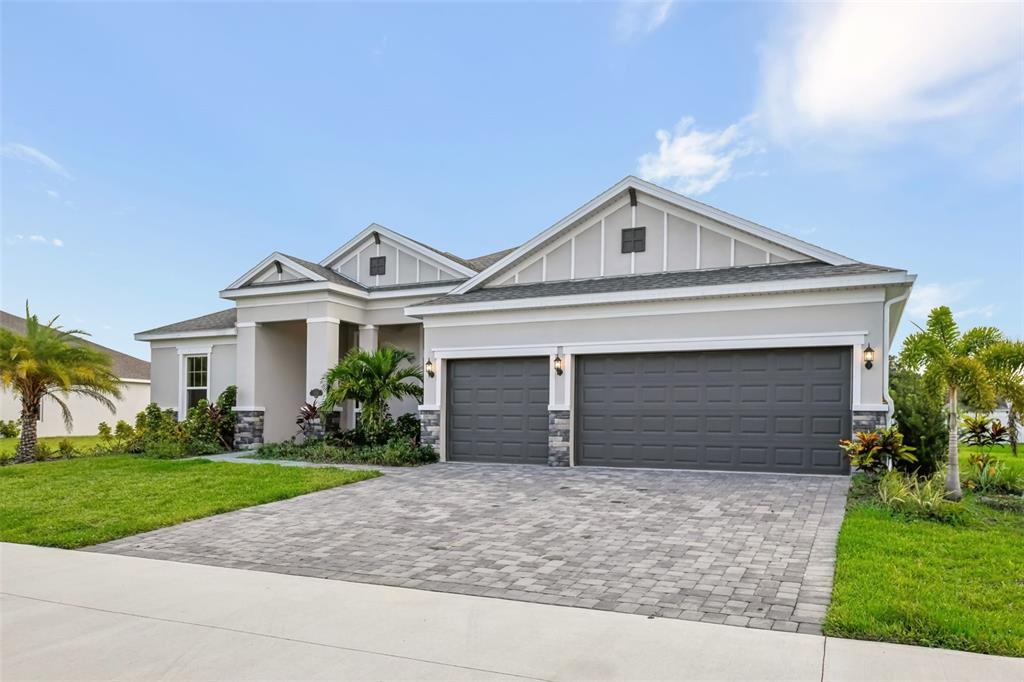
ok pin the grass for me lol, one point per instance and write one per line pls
(930, 583)
(79, 502)
(81, 443)
(1000, 452)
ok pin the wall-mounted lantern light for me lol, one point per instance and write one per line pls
(429, 367)
(869, 357)
(559, 367)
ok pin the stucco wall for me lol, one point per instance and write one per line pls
(407, 337)
(87, 413)
(703, 323)
(280, 376)
(163, 373)
(166, 369)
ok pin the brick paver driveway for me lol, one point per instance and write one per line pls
(753, 550)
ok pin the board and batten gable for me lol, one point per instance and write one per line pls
(676, 239)
(402, 265)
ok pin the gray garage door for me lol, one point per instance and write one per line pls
(498, 410)
(763, 410)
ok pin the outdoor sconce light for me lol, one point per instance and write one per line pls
(869, 357)
(429, 367)
(558, 365)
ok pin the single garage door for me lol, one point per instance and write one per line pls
(752, 410)
(498, 410)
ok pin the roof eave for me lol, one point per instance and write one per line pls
(898, 278)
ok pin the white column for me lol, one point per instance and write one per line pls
(368, 336)
(322, 336)
(245, 365)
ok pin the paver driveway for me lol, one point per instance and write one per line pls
(754, 550)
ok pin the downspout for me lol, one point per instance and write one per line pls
(887, 341)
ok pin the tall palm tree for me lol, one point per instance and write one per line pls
(48, 361)
(975, 366)
(373, 378)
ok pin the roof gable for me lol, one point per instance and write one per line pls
(619, 205)
(407, 261)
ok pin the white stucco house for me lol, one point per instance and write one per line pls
(644, 329)
(87, 413)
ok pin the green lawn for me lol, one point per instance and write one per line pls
(79, 502)
(1000, 452)
(930, 583)
(81, 443)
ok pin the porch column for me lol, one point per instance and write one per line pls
(322, 337)
(368, 336)
(249, 426)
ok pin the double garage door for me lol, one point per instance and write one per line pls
(751, 410)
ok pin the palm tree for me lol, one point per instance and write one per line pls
(48, 360)
(975, 366)
(372, 378)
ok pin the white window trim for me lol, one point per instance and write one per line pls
(183, 355)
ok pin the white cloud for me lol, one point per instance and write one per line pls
(856, 68)
(956, 295)
(36, 238)
(13, 150)
(52, 194)
(640, 17)
(693, 161)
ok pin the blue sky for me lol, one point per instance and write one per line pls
(154, 152)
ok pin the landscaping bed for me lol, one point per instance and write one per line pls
(953, 580)
(85, 501)
(397, 453)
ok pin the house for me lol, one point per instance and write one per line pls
(644, 329)
(87, 413)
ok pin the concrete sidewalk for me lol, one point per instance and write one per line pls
(79, 615)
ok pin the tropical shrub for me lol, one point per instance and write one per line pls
(918, 497)
(981, 432)
(920, 415)
(371, 379)
(66, 449)
(9, 429)
(206, 429)
(988, 475)
(407, 427)
(397, 452)
(875, 451)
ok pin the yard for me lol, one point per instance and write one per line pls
(81, 443)
(84, 501)
(930, 583)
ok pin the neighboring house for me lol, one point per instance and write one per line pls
(87, 413)
(645, 329)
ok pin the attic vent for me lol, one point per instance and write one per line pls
(634, 240)
(377, 264)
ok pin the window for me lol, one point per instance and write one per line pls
(377, 265)
(634, 240)
(196, 373)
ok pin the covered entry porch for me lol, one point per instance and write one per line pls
(280, 361)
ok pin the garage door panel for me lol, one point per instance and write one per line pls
(498, 410)
(759, 410)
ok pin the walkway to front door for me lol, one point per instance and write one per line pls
(754, 550)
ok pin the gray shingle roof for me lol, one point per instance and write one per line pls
(124, 366)
(223, 319)
(326, 273)
(663, 280)
(481, 263)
